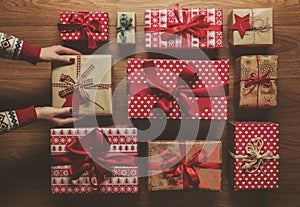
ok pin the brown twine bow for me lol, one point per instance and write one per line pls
(254, 159)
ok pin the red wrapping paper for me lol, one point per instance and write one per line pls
(123, 179)
(208, 37)
(210, 75)
(250, 139)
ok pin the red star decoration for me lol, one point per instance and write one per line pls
(241, 24)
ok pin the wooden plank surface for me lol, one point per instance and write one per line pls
(24, 153)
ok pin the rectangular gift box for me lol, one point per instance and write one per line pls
(79, 154)
(195, 89)
(126, 27)
(256, 83)
(254, 152)
(187, 28)
(85, 85)
(184, 165)
(251, 26)
(91, 26)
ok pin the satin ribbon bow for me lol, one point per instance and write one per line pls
(81, 22)
(197, 26)
(253, 80)
(126, 24)
(91, 154)
(168, 94)
(79, 86)
(175, 165)
(254, 160)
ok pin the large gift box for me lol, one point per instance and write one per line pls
(126, 27)
(251, 26)
(257, 81)
(182, 165)
(184, 28)
(254, 155)
(85, 85)
(90, 26)
(177, 89)
(100, 160)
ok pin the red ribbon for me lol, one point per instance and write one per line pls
(81, 22)
(175, 165)
(196, 26)
(91, 154)
(166, 95)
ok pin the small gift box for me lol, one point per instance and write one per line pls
(257, 81)
(100, 160)
(254, 152)
(90, 26)
(251, 26)
(194, 89)
(85, 85)
(184, 165)
(126, 28)
(184, 28)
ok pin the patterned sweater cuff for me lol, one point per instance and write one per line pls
(26, 115)
(30, 53)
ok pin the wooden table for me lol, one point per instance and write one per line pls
(24, 154)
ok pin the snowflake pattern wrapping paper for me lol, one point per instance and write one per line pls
(202, 28)
(120, 178)
(255, 155)
(195, 89)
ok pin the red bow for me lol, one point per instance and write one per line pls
(196, 26)
(253, 80)
(166, 95)
(81, 22)
(175, 165)
(91, 154)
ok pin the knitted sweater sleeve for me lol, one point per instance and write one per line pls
(14, 48)
(10, 120)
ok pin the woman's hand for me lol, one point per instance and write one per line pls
(55, 53)
(57, 116)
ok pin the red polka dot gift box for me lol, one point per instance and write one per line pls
(184, 28)
(94, 160)
(90, 26)
(254, 152)
(175, 89)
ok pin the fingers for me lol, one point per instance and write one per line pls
(67, 51)
(63, 121)
(61, 58)
(63, 111)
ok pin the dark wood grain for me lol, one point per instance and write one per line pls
(24, 154)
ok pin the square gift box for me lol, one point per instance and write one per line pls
(99, 160)
(90, 26)
(254, 152)
(85, 85)
(184, 28)
(183, 165)
(257, 81)
(251, 26)
(126, 27)
(176, 89)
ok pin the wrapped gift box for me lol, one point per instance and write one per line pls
(184, 165)
(85, 85)
(251, 26)
(194, 89)
(90, 26)
(255, 155)
(101, 160)
(166, 28)
(257, 81)
(126, 27)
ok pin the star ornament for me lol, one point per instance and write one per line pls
(242, 24)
